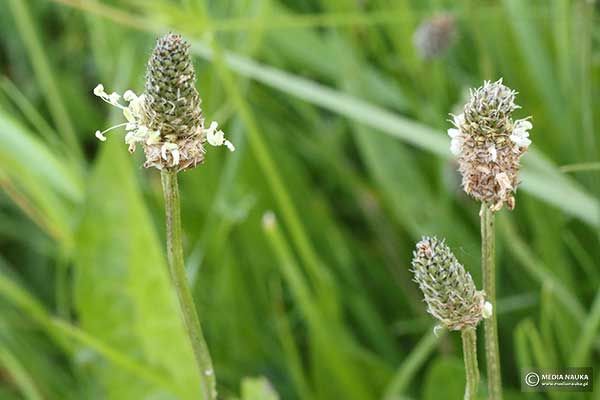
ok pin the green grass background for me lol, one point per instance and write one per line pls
(340, 132)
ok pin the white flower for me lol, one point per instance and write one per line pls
(136, 132)
(214, 137)
(520, 136)
(136, 135)
(173, 149)
(453, 132)
(457, 141)
(175, 157)
(217, 138)
(456, 145)
(493, 153)
(459, 119)
(153, 137)
(488, 310)
(136, 103)
(99, 90)
(129, 95)
(114, 97)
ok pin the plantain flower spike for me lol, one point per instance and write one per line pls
(166, 120)
(449, 291)
(489, 144)
(434, 36)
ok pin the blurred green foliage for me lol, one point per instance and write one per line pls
(339, 127)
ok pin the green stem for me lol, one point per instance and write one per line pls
(469, 341)
(179, 278)
(492, 352)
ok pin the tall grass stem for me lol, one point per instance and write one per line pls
(179, 278)
(492, 352)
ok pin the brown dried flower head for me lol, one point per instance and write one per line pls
(449, 290)
(166, 120)
(489, 144)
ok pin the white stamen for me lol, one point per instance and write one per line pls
(520, 136)
(459, 119)
(99, 90)
(453, 132)
(215, 138)
(487, 310)
(456, 145)
(229, 145)
(153, 137)
(100, 136)
(128, 114)
(129, 95)
(175, 154)
(114, 97)
(106, 99)
(171, 147)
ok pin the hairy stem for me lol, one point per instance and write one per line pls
(469, 342)
(492, 352)
(179, 278)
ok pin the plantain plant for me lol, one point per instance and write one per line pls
(489, 145)
(167, 121)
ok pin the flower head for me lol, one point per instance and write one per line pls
(166, 120)
(489, 144)
(449, 291)
(434, 36)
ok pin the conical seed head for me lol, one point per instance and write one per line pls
(449, 290)
(172, 104)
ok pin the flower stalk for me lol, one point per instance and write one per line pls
(469, 342)
(492, 351)
(179, 279)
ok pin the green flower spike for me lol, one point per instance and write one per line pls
(166, 120)
(449, 291)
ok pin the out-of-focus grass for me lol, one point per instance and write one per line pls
(340, 132)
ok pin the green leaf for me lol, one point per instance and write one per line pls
(47, 183)
(20, 149)
(446, 373)
(123, 293)
(18, 372)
